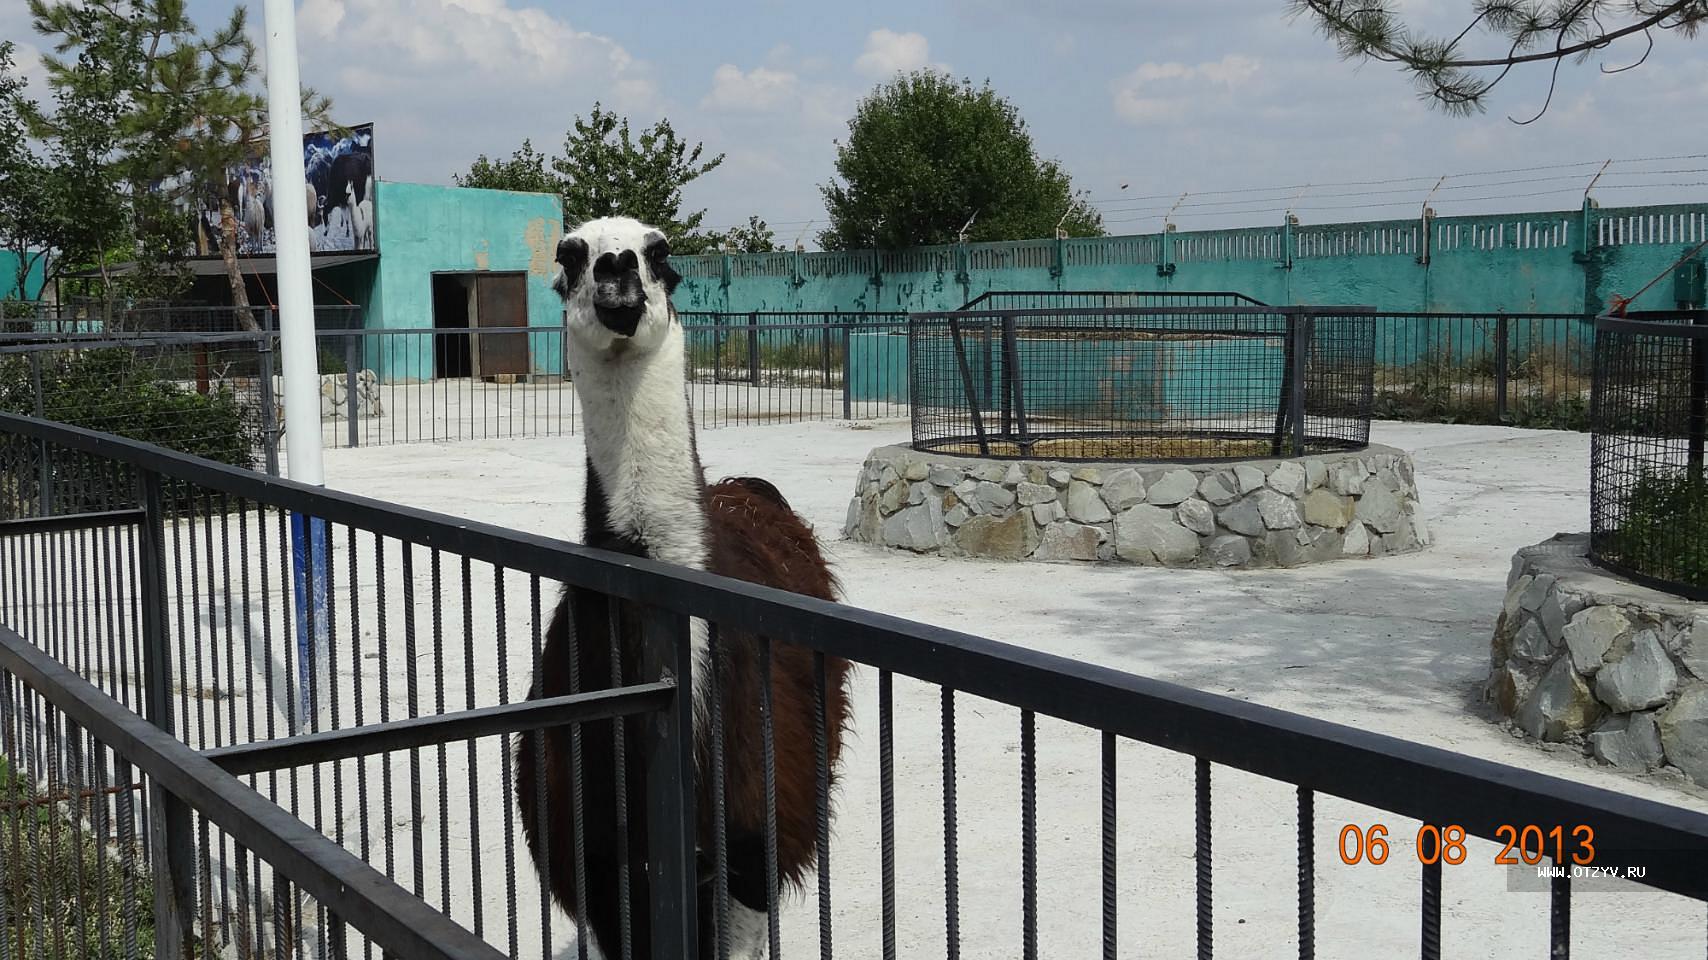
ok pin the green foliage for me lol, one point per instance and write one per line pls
(1664, 528)
(926, 154)
(606, 170)
(152, 112)
(1457, 74)
(755, 237)
(524, 172)
(70, 898)
(130, 395)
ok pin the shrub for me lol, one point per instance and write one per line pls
(1664, 529)
(118, 391)
(84, 893)
(121, 392)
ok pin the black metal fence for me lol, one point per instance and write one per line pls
(1648, 497)
(764, 367)
(1141, 383)
(1529, 370)
(1062, 299)
(988, 800)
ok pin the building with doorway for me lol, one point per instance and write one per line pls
(399, 257)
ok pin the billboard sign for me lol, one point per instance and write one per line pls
(340, 179)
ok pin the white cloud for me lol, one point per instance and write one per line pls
(489, 36)
(888, 53)
(1158, 91)
(761, 89)
(444, 80)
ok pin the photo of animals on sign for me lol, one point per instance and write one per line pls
(339, 170)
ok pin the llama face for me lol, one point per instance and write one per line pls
(616, 282)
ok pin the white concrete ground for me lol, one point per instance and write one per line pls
(1396, 645)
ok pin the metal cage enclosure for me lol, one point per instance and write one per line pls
(1219, 381)
(1648, 499)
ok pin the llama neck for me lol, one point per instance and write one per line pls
(645, 482)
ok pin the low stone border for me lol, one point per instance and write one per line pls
(1582, 655)
(1256, 513)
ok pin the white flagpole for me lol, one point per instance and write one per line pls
(296, 293)
(310, 553)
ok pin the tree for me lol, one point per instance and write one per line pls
(189, 108)
(606, 171)
(1457, 78)
(62, 202)
(755, 237)
(927, 155)
(524, 172)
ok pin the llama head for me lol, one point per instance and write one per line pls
(616, 282)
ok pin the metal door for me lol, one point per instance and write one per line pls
(501, 300)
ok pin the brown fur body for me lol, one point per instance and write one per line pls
(755, 536)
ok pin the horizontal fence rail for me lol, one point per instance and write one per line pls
(88, 781)
(356, 665)
(218, 394)
(1176, 382)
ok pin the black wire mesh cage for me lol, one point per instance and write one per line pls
(1226, 381)
(1648, 499)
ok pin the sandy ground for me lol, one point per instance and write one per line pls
(1396, 645)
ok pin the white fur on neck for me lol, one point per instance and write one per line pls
(640, 441)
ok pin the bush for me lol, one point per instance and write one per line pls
(80, 889)
(117, 391)
(120, 392)
(1664, 529)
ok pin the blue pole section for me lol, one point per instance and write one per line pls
(311, 577)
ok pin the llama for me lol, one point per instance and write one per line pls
(647, 496)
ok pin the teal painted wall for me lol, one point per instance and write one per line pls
(9, 278)
(423, 230)
(1118, 378)
(1566, 262)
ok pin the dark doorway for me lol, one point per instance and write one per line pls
(451, 354)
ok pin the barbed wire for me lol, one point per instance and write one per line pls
(1408, 191)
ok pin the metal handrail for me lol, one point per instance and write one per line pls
(1409, 779)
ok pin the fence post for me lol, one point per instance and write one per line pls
(1698, 417)
(753, 349)
(847, 368)
(269, 403)
(824, 349)
(352, 402)
(1501, 371)
(1299, 330)
(44, 464)
(667, 651)
(169, 820)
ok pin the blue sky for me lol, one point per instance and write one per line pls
(1202, 97)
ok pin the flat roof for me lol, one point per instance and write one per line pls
(214, 266)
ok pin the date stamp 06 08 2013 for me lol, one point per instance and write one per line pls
(1535, 855)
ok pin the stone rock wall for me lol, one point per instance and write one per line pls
(1583, 656)
(1252, 514)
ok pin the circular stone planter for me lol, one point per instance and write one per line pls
(1581, 655)
(1256, 513)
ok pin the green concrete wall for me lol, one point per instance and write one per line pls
(9, 278)
(1566, 262)
(423, 230)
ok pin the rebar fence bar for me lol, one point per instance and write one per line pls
(1061, 299)
(791, 367)
(1648, 496)
(1108, 812)
(1529, 370)
(1141, 383)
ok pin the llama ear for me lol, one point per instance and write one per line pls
(657, 250)
(572, 256)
